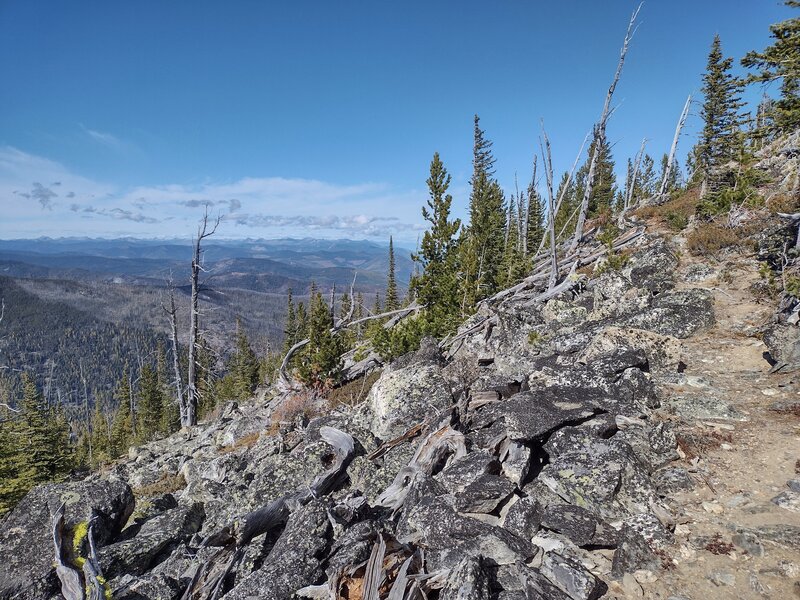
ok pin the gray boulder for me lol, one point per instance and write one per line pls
(26, 543)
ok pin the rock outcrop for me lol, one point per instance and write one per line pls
(524, 463)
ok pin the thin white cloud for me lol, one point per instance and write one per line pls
(104, 138)
(249, 207)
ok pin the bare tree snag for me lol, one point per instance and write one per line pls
(189, 403)
(630, 183)
(600, 132)
(678, 128)
(172, 313)
(551, 217)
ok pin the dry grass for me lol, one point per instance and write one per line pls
(166, 484)
(710, 238)
(302, 403)
(674, 213)
(247, 441)
(354, 392)
(784, 202)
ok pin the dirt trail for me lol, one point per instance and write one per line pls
(744, 462)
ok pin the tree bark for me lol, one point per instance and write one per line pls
(189, 416)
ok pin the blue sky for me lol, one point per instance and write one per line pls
(320, 118)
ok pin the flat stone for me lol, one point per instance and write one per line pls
(484, 494)
(788, 500)
(703, 407)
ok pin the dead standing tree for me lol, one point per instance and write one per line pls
(551, 214)
(172, 313)
(600, 133)
(671, 159)
(188, 405)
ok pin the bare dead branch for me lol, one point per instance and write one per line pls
(600, 130)
(681, 121)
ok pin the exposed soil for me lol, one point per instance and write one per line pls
(738, 466)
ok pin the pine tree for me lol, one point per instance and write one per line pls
(513, 266)
(121, 425)
(645, 185)
(244, 366)
(674, 181)
(483, 240)
(320, 361)
(720, 139)
(290, 329)
(781, 61)
(567, 215)
(392, 300)
(149, 404)
(534, 221)
(100, 436)
(436, 287)
(604, 187)
(301, 331)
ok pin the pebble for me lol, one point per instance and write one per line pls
(770, 392)
(644, 576)
(631, 586)
(794, 485)
(749, 542)
(713, 507)
(721, 578)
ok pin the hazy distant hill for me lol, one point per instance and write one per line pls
(86, 301)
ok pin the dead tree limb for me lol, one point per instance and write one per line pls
(189, 403)
(674, 147)
(551, 217)
(172, 312)
(600, 132)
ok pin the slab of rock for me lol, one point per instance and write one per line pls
(604, 477)
(484, 494)
(139, 553)
(524, 517)
(699, 407)
(467, 469)
(404, 397)
(672, 479)
(677, 314)
(26, 562)
(532, 416)
(579, 525)
(294, 562)
(788, 500)
(467, 581)
(572, 577)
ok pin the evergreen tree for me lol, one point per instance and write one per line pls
(320, 361)
(513, 267)
(290, 329)
(534, 221)
(436, 287)
(301, 331)
(483, 239)
(149, 404)
(720, 139)
(567, 215)
(674, 180)
(605, 185)
(243, 366)
(392, 300)
(645, 184)
(781, 61)
(100, 436)
(121, 426)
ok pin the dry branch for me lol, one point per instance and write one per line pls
(600, 132)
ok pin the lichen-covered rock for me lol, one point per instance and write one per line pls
(140, 552)
(404, 397)
(467, 581)
(783, 341)
(484, 494)
(579, 525)
(572, 577)
(294, 562)
(26, 543)
(678, 314)
(604, 477)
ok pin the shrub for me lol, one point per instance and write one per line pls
(166, 484)
(354, 392)
(710, 238)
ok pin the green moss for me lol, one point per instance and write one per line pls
(78, 536)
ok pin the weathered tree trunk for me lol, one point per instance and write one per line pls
(551, 216)
(600, 133)
(172, 313)
(189, 405)
(678, 128)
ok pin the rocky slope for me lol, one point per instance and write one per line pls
(576, 448)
